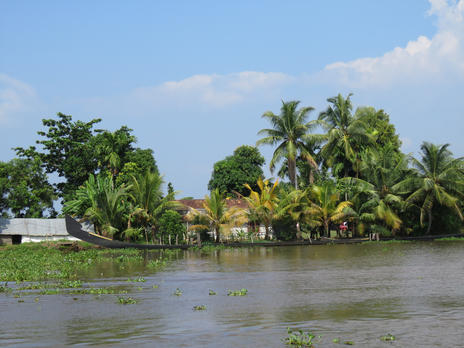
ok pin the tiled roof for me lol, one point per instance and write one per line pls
(198, 203)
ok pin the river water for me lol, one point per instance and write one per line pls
(358, 293)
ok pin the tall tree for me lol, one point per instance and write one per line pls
(148, 201)
(243, 167)
(378, 125)
(111, 147)
(439, 180)
(24, 189)
(290, 131)
(66, 150)
(346, 136)
(381, 204)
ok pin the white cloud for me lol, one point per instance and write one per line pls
(15, 96)
(213, 90)
(423, 59)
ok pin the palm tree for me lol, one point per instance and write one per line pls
(263, 203)
(326, 207)
(290, 130)
(148, 200)
(296, 204)
(345, 134)
(112, 146)
(383, 169)
(217, 213)
(440, 179)
(99, 202)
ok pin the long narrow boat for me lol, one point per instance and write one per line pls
(74, 228)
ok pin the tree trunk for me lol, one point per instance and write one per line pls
(218, 238)
(326, 227)
(292, 171)
(266, 236)
(198, 239)
(429, 227)
(298, 231)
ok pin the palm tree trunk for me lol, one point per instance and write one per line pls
(326, 228)
(218, 238)
(429, 227)
(292, 172)
(298, 231)
(266, 236)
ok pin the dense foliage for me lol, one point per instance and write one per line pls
(232, 173)
(352, 172)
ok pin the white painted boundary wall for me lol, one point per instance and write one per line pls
(35, 230)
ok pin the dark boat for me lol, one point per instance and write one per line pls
(74, 228)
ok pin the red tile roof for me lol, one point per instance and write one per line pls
(198, 203)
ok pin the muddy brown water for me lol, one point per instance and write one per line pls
(358, 293)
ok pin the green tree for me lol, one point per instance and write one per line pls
(290, 131)
(380, 204)
(170, 224)
(75, 150)
(378, 125)
(67, 151)
(111, 147)
(148, 201)
(217, 214)
(326, 207)
(346, 136)
(439, 180)
(262, 204)
(101, 203)
(24, 189)
(243, 167)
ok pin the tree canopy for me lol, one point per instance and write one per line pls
(232, 173)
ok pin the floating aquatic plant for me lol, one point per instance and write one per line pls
(388, 338)
(299, 338)
(241, 292)
(178, 292)
(199, 308)
(212, 292)
(127, 300)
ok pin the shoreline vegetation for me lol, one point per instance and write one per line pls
(341, 171)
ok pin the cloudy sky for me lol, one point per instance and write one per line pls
(192, 78)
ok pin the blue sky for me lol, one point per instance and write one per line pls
(193, 78)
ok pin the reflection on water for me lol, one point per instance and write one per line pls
(414, 291)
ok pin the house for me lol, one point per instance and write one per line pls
(17, 231)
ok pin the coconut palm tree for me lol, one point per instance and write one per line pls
(346, 135)
(148, 200)
(326, 207)
(439, 180)
(99, 202)
(383, 169)
(218, 215)
(290, 131)
(262, 204)
(296, 204)
(110, 147)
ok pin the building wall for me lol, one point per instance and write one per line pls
(36, 230)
